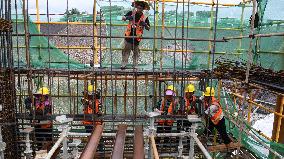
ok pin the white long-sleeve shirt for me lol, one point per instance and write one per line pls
(212, 110)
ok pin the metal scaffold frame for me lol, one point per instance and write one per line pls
(123, 92)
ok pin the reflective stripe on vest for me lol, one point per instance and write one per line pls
(187, 105)
(41, 107)
(170, 111)
(132, 24)
(89, 110)
(217, 116)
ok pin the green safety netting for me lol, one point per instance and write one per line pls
(268, 53)
(42, 53)
(247, 141)
(267, 50)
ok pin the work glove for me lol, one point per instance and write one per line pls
(129, 17)
(142, 23)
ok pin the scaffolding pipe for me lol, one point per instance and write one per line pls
(57, 144)
(202, 148)
(37, 16)
(118, 37)
(259, 105)
(166, 26)
(280, 103)
(254, 35)
(154, 147)
(255, 138)
(89, 151)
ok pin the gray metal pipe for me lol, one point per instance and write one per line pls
(89, 151)
(255, 138)
(57, 144)
(202, 148)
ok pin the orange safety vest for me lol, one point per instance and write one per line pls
(132, 24)
(89, 110)
(217, 116)
(170, 111)
(189, 109)
(49, 123)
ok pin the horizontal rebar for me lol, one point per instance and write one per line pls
(254, 35)
(118, 37)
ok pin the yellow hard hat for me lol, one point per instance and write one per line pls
(207, 91)
(171, 87)
(189, 88)
(91, 88)
(43, 91)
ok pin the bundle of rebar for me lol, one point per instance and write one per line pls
(5, 25)
(228, 69)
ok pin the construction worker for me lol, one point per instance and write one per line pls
(137, 22)
(214, 114)
(92, 105)
(167, 106)
(188, 106)
(42, 106)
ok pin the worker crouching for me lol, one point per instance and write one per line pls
(92, 106)
(214, 114)
(167, 106)
(43, 108)
(188, 107)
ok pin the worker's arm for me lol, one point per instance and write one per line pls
(145, 24)
(211, 110)
(127, 16)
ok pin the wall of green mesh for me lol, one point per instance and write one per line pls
(42, 53)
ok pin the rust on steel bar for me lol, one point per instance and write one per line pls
(89, 151)
(138, 143)
(154, 78)
(254, 35)
(105, 71)
(164, 38)
(119, 142)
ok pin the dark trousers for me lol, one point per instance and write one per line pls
(42, 135)
(221, 128)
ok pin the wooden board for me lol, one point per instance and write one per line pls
(222, 147)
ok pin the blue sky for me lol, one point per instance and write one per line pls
(274, 10)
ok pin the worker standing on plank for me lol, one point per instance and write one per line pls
(137, 22)
(167, 106)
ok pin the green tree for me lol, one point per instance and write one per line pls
(70, 13)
